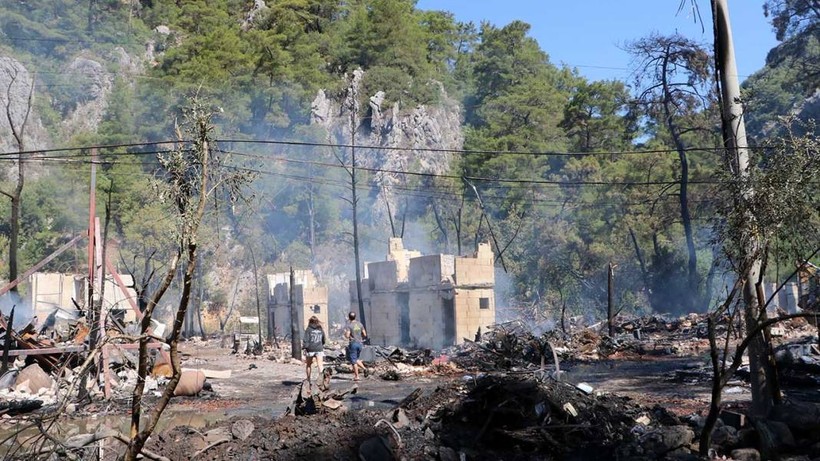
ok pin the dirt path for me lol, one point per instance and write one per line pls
(259, 386)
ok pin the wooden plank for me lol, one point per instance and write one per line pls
(123, 288)
(134, 346)
(47, 350)
(40, 264)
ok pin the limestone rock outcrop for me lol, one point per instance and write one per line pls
(389, 137)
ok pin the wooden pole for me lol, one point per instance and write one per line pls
(609, 298)
(40, 264)
(7, 343)
(92, 213)
(734, 134)
(256, 290)
(296, 349)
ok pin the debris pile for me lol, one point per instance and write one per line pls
(50, 354)
(516, 344)
(311, 398)
(532, 418)
(496, 417)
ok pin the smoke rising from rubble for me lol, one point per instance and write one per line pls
(504, 310)
(22, 309)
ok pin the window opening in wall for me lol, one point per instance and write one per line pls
(317, 309)
(484, 303)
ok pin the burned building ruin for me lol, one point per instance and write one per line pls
(308, 296)
(430, 301)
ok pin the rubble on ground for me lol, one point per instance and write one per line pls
(494, 417)
(501, 396)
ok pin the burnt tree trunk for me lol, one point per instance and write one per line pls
(683, 196)
(610, 298)
(189, 186)
(18, 132)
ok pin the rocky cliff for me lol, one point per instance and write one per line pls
(17, 108)
(391, 138)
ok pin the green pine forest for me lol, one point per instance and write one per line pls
(566, 177)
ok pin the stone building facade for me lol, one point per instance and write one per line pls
(310, 298)
(427, 301)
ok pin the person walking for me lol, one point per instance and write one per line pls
(355, 334)
(314, 345)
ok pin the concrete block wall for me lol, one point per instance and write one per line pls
(785, 299)
(281, 318)
(314, 298)
(383, 276)
(426, 319)
(383, 327)
(477, 269)
(402, 257)
(354, 300)
(774, 304)
(433, 285)
(429, 271)
(305, 296)
(47, 292)
(300, 277)
(281, 294)
(792, 297)
(469, 315)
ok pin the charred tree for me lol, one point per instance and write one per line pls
(190, 176)
(355, 204)
(674, 76)
(17, 126)
(352, 172)
(610, 298)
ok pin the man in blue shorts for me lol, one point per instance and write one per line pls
(355, 334)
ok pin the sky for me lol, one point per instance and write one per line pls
(589, 34)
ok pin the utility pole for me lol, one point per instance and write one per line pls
(354, 112)
(296, 349)
(734, 139)
(610, 289)
(256, 290)
(92, 214)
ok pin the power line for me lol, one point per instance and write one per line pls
(424, 191)
(88, 148)
(510, 181)
(470, 151)
(476, 178)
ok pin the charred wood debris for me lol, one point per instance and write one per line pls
(41, 369)
(508, 397)
(504, 394)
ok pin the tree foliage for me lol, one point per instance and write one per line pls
(792, 17)
(549, 176)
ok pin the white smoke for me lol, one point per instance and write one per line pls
(22, 310)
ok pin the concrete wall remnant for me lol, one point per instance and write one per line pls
(53, 292)
(429, 301)
(310, 298)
